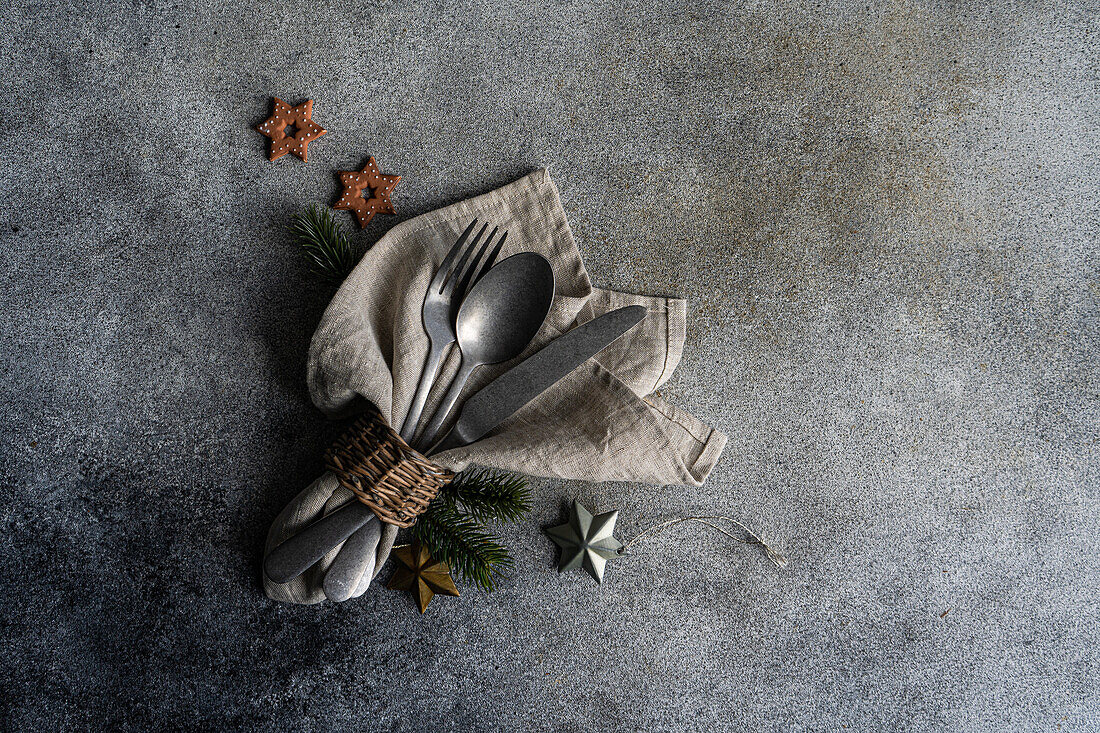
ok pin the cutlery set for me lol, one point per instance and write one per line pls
(491, 311)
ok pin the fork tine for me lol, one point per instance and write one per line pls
(445, 266)
(460, 266)
(491, 259)
(468, 273)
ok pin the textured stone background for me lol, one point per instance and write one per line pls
(885, 218)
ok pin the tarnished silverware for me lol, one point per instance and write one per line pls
(507, 394)
(441, 303)
(485, 410)
(496, 322)
(462, 268)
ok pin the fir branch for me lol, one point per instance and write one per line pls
(460, 541)
(490, 495)
(453, 528)
(326, 248)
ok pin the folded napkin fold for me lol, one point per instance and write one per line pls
(601, 423)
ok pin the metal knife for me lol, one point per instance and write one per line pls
(507, 394)
(489, 407)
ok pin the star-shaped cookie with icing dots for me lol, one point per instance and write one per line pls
(366, 192)
(291, 129)
(586, 540)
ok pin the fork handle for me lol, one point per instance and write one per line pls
(431, 433)
(427, 379)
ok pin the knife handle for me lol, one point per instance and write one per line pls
(295, 555)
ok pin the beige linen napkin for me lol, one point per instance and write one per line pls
(601, 423)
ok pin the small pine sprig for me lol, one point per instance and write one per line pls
(326, 248)
(453, 527)
(460, 541)
(487, 495)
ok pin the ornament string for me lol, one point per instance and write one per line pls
(777, 559)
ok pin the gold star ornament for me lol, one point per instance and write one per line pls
(586, 540)
(366, 192)
(291, 129)
(422, 576)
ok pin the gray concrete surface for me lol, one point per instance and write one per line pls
(885, 217)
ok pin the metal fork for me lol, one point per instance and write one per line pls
(441, 302)
(454, 277)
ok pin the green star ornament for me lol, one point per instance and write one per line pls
(586, 540)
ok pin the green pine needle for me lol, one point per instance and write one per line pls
(486, 495)
(453, 527)
(460, 541)
(325, 246)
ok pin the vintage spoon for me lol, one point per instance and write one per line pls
(495, 323)
(513, 285)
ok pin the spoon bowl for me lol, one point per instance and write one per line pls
(496, 322)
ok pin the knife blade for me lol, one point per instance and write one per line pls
(507, 394)
(486, 409)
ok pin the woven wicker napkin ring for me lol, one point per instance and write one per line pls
(374, 463)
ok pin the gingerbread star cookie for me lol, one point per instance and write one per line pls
(291, 129)
(366, 192)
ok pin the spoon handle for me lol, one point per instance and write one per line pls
(431, 433)
(298, 553)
